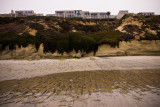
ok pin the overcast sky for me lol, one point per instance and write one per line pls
(49, 6)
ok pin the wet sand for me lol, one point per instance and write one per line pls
(128, 81)
(18, 69)
(125, 88)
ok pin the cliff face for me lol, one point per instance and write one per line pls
(134, 47)
(22, 38)
(125, 48)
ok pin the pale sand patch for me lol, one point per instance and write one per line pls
(17, 69)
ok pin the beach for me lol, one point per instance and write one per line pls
(127, 81)
(18, 69)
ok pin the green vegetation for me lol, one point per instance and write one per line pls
(132, 28)
(151, 22)
(87, 28)
(36, 26)
(6, 20)
(86, 39)
(11, 39)
(127, 37)
(62, 42)
(65, 25)
(104, 37)
(51, 18)
(66, 42)
(90, 33)
(108, 14)
(8, 39)
(149, 36)
(21, 20)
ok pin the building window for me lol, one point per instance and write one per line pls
(86, 13)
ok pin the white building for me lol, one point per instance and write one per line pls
(112, 16)
(82, 14)
(94, 15)
(69, 13)
(146, 13)
(50, 15)
(39, 14)
(24, 13)
(122, 13)
(98, 15)
(86, 14)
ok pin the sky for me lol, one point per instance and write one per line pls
(50, 6)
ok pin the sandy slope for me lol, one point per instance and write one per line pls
(17, 69)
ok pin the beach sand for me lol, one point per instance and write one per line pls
(127, 81)
(126, 88)
(18, 69)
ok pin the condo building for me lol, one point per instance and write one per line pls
(100, 15)
(75, 13)
(122, 13)
(82, 14)
(21, 13)
(50, 15)
(69, 13)
(85, 14)
(146, 13)
(24, 13)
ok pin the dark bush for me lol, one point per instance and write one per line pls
(35, 18)
(65, 25)
(155, 27)
(127, 37)
(21, 20)
(110, 42)
(47, 38)
(31, 17)
(47, 19)
(87, 28)
(54, 19)
(51, 18)
(149, 36)
(36, 26)
(8, 39)
(62, 42)
(152, 21)
(78, 41)
(66, 42)
(111, 38)
(6, 20)
(132, 28)
(158, 34)
(11, 39)
(25, 39)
